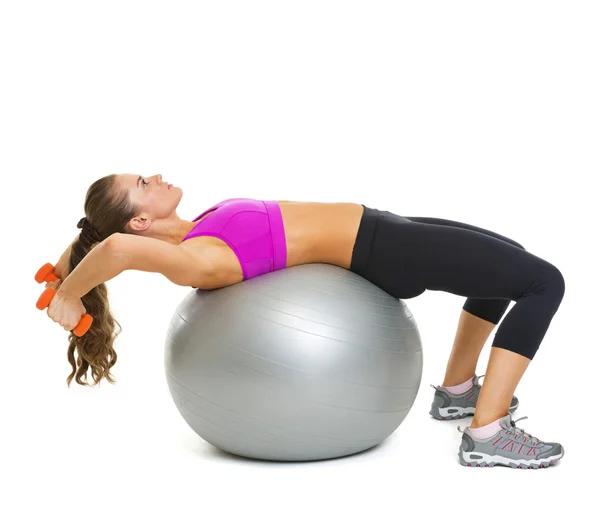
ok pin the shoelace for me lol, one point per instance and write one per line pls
(523, 433)
(517, 431)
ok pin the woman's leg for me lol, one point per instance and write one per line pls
(504, 372)
(408, 257)
(537, 297)
(405, 258)
(477, 320)
(471, 335)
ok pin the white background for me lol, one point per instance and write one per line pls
(482, 112)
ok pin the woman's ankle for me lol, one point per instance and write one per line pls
(484, 419)
(485, 431)
(456, 379)
(458, 388)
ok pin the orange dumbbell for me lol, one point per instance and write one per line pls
(46, 273)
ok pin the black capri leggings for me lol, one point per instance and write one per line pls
(407, 255)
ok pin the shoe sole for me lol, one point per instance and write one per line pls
(450, 413)
(483, 460)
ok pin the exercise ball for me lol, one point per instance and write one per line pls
(306, 363)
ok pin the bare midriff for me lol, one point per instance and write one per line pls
(315, 233)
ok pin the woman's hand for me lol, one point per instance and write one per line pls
(66, 310)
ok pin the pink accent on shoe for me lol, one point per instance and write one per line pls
(520, 448)
(511, 445)
(461, 388)
(487, 431)
(497, 441)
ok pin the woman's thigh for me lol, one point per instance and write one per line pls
(409, 256)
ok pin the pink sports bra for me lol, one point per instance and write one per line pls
(253, 229)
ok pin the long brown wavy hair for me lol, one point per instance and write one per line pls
(107, 210)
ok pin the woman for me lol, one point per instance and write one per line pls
(402, 255)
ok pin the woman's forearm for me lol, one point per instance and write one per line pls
(99, 265)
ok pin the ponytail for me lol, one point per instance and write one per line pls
(94, 349)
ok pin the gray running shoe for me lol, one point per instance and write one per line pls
(510, 446)
(446, 406)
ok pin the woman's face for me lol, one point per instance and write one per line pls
(154, 198)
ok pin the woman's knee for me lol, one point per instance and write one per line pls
(553, 283)
(558, 282)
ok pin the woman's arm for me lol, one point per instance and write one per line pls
(98, 266)
(121, 252)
